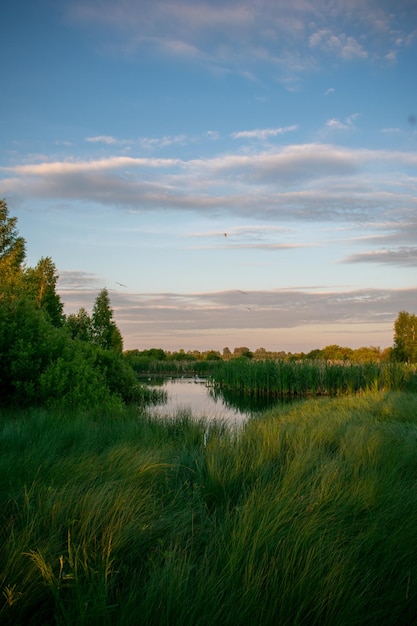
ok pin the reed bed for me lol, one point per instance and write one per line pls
(306, 515)
(290, 379)
(145, 366)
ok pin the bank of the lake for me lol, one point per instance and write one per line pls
(305, 515)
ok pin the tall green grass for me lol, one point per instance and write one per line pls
(306, 515)
(289, 379)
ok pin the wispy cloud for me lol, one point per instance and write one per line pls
(403, 256)
(239, 35)
(102, 139)
(303, 181)
(73, 280)
(264, 133)
(346, 124)
(391, 131)
(161, 142)
(343, 46)
(217, 312)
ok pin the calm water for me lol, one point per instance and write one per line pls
(191, 394)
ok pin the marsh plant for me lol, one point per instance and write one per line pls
(291, 379)
(306, 515)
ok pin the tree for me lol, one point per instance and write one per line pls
(226, 354)
(79, 325)
(243, 351)
(405, 338)
(104, 330)
(41, 285)
(12, 250)
(337, 353)
(12, 247)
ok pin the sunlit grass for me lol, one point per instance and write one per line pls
(306, 515)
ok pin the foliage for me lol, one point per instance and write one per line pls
(306, 516)
(45, 358)
(40, 284)
(405, 338)
(12, 247)
(79, 325)
(104, 331)
(243, 351)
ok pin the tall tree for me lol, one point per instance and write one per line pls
(405, 337)
(12, 249)
(41, 286)
(104, 330)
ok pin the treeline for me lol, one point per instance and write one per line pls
(47, 358)
(404, 350)
(156, 357)
(158, 361)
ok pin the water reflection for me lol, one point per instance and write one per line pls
(196, 396)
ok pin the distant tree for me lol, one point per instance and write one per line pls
(405, 338)
(104, 330)
(181, 355)
(367, 354)
(260, 354)
(79, 325)
(314, 354)
(337, 353)
(155, 353)
(226, 354)
(40, 284)
(212, 355)
(242, 351)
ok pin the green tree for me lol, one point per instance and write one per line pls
(41, 286)
(405, 338)
(79, 325)
(243, 351)
(104, 330)
(12, 251)
(337, 353)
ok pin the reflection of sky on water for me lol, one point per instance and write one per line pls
(193, 395)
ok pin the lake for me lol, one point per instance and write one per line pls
(196, 396)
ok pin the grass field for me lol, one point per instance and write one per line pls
(305, 516)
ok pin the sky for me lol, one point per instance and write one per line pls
(235, 173)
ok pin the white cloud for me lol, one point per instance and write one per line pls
(346, 124)
(102, 139)
(307, 181)
(161, 142)
(341, 45)
(264, 133)
(391, 131)
(391, 56)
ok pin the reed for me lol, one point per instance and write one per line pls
(305, 515)
(292, 379)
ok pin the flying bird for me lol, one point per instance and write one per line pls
(121, 284)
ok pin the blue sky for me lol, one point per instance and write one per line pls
(235, 173)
